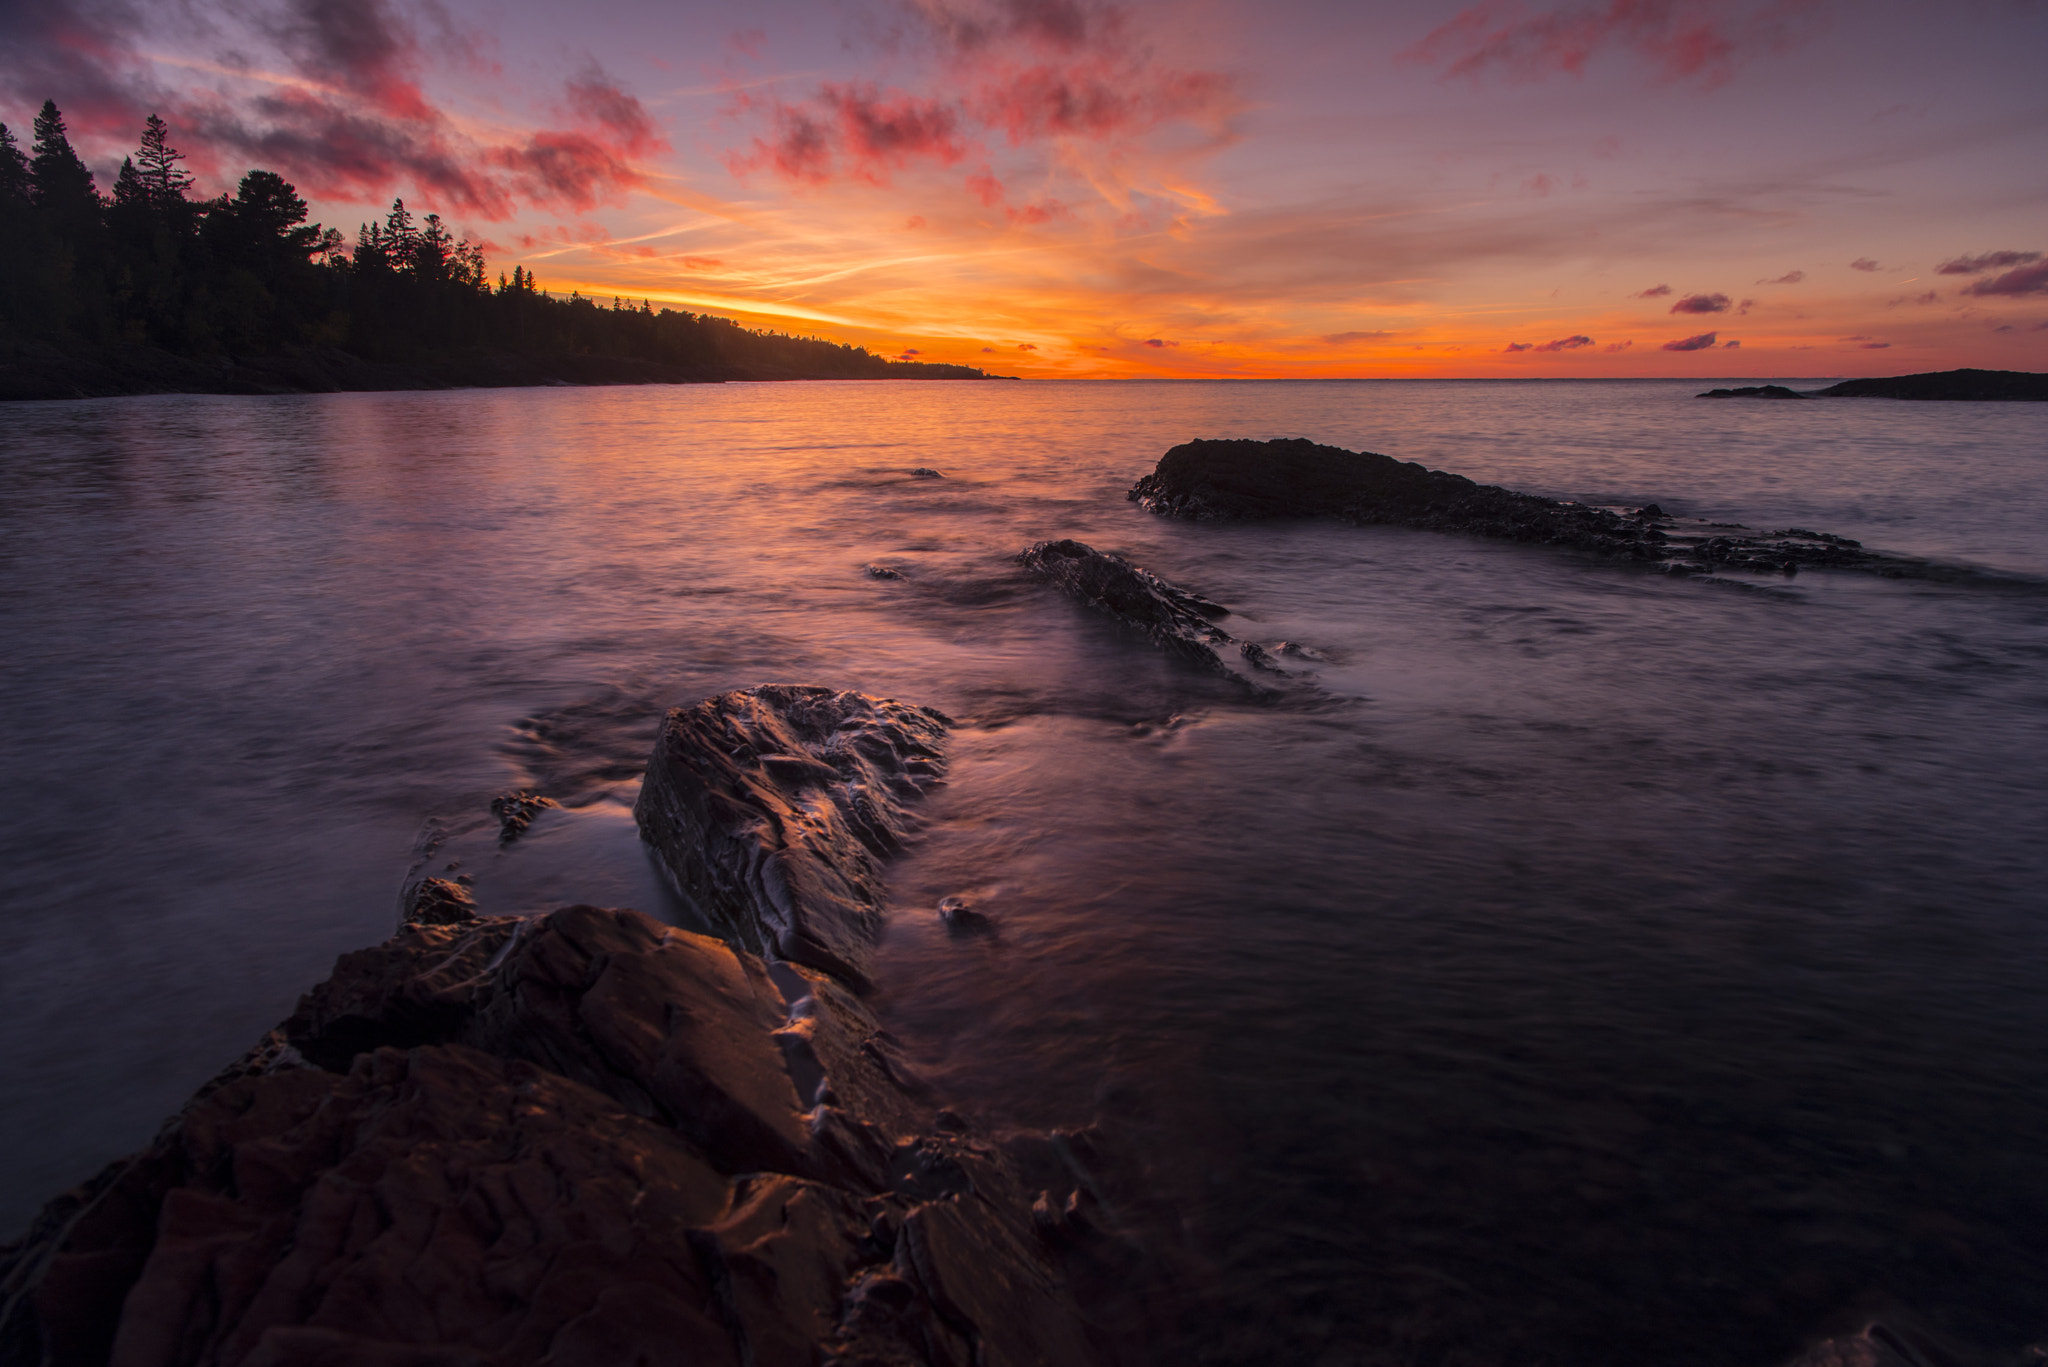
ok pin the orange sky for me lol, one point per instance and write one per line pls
(1067, 187)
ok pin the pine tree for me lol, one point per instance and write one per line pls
(13, 168)
(165, 182)
(59, 183)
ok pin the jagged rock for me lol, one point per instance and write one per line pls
(1179, 622)
(1754, 391)
(925, 472)
(582, 1138)
(516, 811)
(437, 902)
(881, 572)
(1975, 385)
(769, 808)
(1235, 480)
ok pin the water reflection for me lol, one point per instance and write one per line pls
(1610, 969)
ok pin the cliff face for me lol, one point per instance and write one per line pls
(586, 1137)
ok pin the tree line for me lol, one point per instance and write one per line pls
(152, 269)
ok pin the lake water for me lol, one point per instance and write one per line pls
(1596, 968)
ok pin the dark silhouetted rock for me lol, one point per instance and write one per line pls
(1179, 622)
(925, 472)
(769, 807)
(437, 902)
(1995, 385)
(582, 1138)
(1217, 480)
(1755, 391)
(881, 572)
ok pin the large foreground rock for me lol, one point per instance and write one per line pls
(583, 1138)
(1232, 480)
(770, 808)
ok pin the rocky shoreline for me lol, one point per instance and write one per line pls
(1959, 386)
(1244, 480)
(588, 1138)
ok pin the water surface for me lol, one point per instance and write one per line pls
(1591, 967)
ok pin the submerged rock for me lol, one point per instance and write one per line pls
(769, 808)
(1233, 480)
(1754, 391)
(1179, 622)
(516, 811)
(583, 1138)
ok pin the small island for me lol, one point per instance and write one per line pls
(1953, 385)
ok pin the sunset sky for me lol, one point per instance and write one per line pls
(1206, 188)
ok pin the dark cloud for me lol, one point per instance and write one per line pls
(1565, 344)
(1864, 263)
(1159, 342)
(1702, 303)
(1731, 344)
(1618, 346)
(1701, 41)
(1518, 346)
(2026, 280)
(1702, 342)
(1654, 292)
(1027, 346)
(1875, 346)
(1930, 297)
(1788, 278)
(359, 128)
(1988, 261)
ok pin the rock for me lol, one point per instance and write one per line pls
(581, 1138)
(769, 808)
(1974, 385)
(1755, 391)
(437, 902)
(1179, 622)
(961, 917)
(1236, 480)
(881, 572)
(925, 472)
(516, 811)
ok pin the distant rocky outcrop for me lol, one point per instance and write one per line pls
(1755, 391)
(1290, 478)
(587, 1139)
(1976, 385)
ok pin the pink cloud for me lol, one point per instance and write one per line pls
(1566, 344)
(360, 128)
(1701, 40)
(1654, 292)
(1988, 261)
(1788, 278)
(1618, 346)
(1864, 263)
(1703, 342)
(2026, 280)
(1702, 303)
(1022, 73)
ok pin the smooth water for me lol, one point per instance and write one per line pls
(1594, 968)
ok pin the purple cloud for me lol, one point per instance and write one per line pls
(1702, 342)
(1654, 292)
(1566, 344)
(1864, 263)
(1518, 346)
(2026, 280)
(1987, 261)
(1702, 303)
(1788, 278)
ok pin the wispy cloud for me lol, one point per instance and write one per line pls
(2026, 280)
(1788, 278)
(1702, 303)
(1987, 261)
(1698, 41)
(1700, 343)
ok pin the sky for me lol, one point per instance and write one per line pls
(1120, 188)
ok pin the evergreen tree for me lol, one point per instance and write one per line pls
(13, 169)
(164, 181)
(59, 183)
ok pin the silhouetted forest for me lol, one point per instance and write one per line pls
(149, 289)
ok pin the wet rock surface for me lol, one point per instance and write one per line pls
(1290, 478)
(770, 809)
(588, 1138)
(1177, 621)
